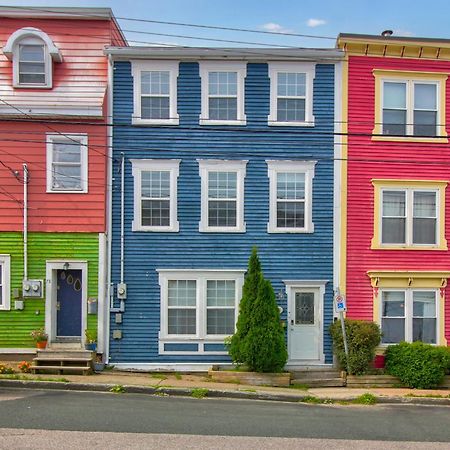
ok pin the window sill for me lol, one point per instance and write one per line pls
(155, 122)
(173, 229)
(52, 191)
(204, 229)
(275, 123)
(410, 247)
(32, 86)
(387, 138)
(274, 230)
(204, 121)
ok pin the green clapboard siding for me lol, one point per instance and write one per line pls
(15, 326)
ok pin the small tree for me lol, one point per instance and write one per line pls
(259, 340)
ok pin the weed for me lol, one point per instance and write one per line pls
(117, 389)
(316, 400)
(427, 395)
(365, 399)
(247, 390)
(178, 376)
(301, 387)
(161, 394)
(28, 378)
(6, 369)
(159, 376)
(199, 392)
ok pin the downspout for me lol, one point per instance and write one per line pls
(25, 222)
(122, 217)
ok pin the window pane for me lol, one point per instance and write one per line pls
(223, 83)
(222, 184)
(425, 123)
(291, 110)
(394, 203)
(223, 108)
(394, 95)
(65, 152)
(424, 231)
(292, 84)
(155, 83)
(424, 96)
(394, 122)
(155, 108)
(424, 330)
(393, 304)
(304, 308)
(220, 293)
(31, 53)
(182, 293)
(66, 177)
(393, 330)
(222, 213)
(393, 231)
(182, 321)
(291, 186)
(155, 213)
(220, 321)
(155, 184)
(424, 304)
(32, 78)
(424, 204)
(290, 214)
(31, 68)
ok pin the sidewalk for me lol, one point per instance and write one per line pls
(199, 385)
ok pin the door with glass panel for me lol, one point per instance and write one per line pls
(304, 325)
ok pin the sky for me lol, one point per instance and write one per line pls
(322, 18)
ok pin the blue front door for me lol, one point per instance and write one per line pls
(68, 316)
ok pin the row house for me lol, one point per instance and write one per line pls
(216, 151)
(396, 217)
(53, 173)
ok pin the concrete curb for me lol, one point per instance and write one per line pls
(215, 393)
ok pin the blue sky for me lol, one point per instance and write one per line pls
(319, 18)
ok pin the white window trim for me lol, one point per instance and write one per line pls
(140, 165)
(201, 276)
(83, 140)
(32, 36)
(5, 268)
(137, 67)
(409, 210)
(275, 167)
(222, 66)
(409, 311)
(309, 69)
(207, 165)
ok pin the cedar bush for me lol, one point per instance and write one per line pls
(259, 341)
(363, 337)
(418, 365)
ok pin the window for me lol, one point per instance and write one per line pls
(290, 195)
(409, 315)
(67, 163)
(222, 93)
(32, 52)
(291, 94)
(410, 214)
(410, 105)
(222, 195)
(4, 282)
(199, 305)
(155, 194)
(155, 92)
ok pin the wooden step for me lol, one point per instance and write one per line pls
(320, 382)
(61, 369)
(63, 359)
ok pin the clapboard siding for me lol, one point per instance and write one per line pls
(283, 256)
(387, 160)
(15, 326)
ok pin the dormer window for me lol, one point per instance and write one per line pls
(32, 53)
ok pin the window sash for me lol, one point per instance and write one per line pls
(152, 203)
(222, 199)
(67, 175)
(290, 212)
(290, 102)
(32, 70)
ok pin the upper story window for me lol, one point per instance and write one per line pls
(155, 194)
(4, 281)
(290, 209)
(67, 163)
(222, 93)
(222, 202)
(32, 53)
(409, 214)
(155, 92)
(409, 105)
(291, 94)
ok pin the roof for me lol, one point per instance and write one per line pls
(42, 12)
(221, 53)
(396, 40)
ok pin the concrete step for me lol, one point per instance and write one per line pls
(315, 374)
(64, 353)
(47, 358)
(84, 370)
(320, 382)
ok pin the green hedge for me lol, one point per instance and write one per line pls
(363, 337)
(418, 365)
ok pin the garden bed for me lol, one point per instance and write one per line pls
(380, 381)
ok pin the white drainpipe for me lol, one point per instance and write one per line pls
(25, 222)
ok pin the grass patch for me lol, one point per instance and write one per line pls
(365, 399)
(178, 376)
(28, 378)
(428, 395)
(199, 393)
(159, 376)
(316, 400)
(301, 387)
(248, 390)
(117, 389)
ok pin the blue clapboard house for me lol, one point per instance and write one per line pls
(216, 151)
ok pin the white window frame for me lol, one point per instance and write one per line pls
(70, 138)
(276, 167)
(207, 165)
(5, 269)
(409, 218)
(409, 311)
(309, 69)
(223, 66)
(137, 67)
(32, 36)
(201, 277)
(143, 165)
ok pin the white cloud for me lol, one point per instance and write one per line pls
(315, 22)
(275, 28)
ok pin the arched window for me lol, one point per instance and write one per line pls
(32, 53)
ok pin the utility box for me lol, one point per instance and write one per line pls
(32, 288)
(92, 305)
(121, 291)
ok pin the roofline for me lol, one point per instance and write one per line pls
(40, 12)
(398, 40)
(224, 53)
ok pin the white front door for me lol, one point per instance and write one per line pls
(304, 325)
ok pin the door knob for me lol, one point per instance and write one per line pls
(58, 306)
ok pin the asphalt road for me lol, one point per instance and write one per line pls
(135, 413)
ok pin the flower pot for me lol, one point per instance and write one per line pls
(91, 346)
(41, 344)
(379, 362)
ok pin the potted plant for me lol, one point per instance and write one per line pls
(40, 336)
(91, 340)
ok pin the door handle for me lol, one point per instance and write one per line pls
(58, 306)
(292, 321)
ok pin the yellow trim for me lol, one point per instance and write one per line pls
(442, 340)
(408, 76)
(380, 184)
(344, 172)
